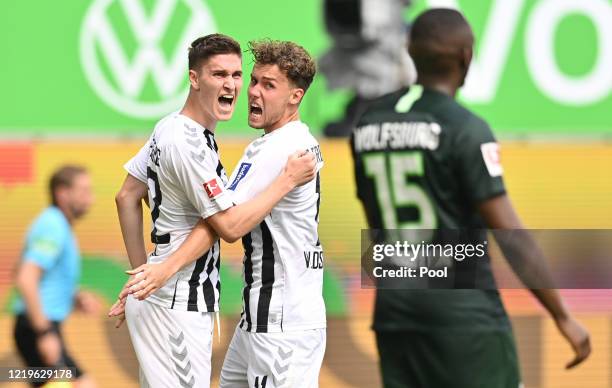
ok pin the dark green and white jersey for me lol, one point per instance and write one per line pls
(422, 161)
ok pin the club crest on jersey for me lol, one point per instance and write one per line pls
(492, 159)
(212, 188)
(242, 171)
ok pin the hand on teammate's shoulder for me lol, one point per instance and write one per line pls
(301, 167)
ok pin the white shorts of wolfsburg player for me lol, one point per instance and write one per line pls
(274, 360)
(173, 347)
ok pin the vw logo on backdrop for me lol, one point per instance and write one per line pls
(118, 69)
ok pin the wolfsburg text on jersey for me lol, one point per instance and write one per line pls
(397, 135)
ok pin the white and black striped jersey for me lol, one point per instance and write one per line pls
(180, 164)
(283, 257)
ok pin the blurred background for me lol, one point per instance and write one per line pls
(85, 81)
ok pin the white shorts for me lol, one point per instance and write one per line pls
(274, 360)
(173, 347)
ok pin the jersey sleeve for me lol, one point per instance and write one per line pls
(137, 166)
(45, 243)
(195, 167)
(477, 157)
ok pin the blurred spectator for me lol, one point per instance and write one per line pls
(48, 275)
(368, 54)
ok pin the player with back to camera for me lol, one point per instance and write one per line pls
(444, 174)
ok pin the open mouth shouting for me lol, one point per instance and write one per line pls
(226, 101)
(255, 110)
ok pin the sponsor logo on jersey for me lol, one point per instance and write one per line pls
(492, 159)
(242, 171)
(212, 188)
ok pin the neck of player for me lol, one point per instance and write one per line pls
(288, 117)
(67, 212)
(193, 110)
(441, 85)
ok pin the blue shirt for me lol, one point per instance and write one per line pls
(52, 246)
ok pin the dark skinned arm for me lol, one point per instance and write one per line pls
(527, 260)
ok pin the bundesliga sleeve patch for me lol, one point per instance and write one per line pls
(212, 188)
(491, 157)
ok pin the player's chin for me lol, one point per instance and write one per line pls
(256, 123)
(79, 212)
(225, 115)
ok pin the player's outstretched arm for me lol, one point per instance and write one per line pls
(528, 262)
(239, 220)
(129, 209)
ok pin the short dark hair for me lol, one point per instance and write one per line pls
(207, 46)
(291, 59)
(436, 38)
(64, 177)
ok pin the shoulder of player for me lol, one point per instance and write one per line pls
(470, 128)
(472, 124)
(388, 101)
(50, 220)
(288, 140)
(53, 215)
(166, 124)
(187, 137)
(382, 105)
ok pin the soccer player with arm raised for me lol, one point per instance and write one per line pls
(281, 335)
(180, 167)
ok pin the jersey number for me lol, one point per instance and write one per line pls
(394, 190)
(155, 196)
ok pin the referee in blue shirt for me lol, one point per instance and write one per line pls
(48, 276)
